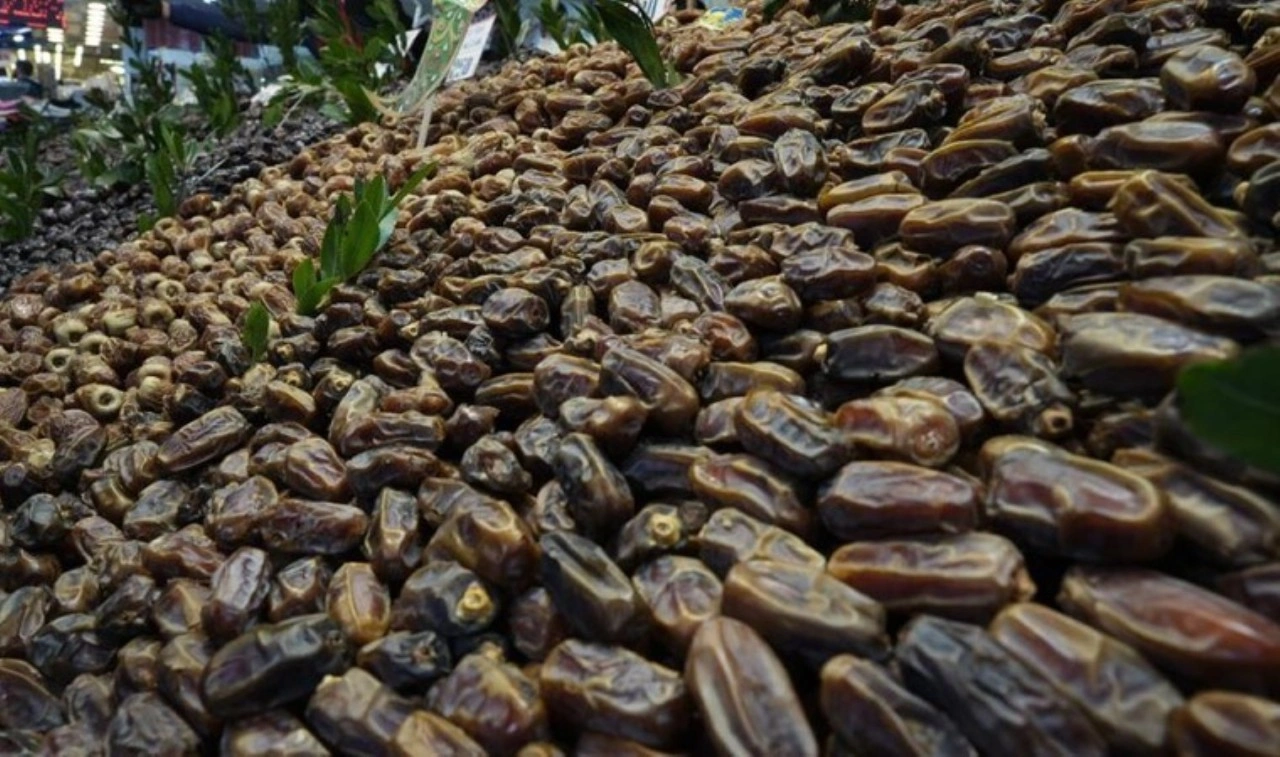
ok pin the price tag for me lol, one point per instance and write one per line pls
(448, 31)
(468, 59)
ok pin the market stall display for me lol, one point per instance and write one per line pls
(818, 403)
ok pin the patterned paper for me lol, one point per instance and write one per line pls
(448, 30)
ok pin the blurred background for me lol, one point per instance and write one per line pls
(75, 44)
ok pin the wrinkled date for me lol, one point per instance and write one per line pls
(803, 611)
(273, 665)
(874, 499)
(967, 576)
(1125, 698)
(1223, 722)
(1181, 627)
(595, 596)
(873, 713)
(997, 702)
(743, 692)
(1071, 505)
(615, 691)
(733, 415)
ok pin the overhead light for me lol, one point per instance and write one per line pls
(19, 39)
(95, 20)
(54, 35)
(22, 54)
(79, 56)
(57, 62)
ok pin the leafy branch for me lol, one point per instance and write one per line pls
(570, 22)
(351, 67)
(115, 149)
(168, 167)
(24, 186)
(626, 22)
(362, 223)
(215, 84)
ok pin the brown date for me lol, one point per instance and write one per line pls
(1182, 628)
(202, 440)
(804, 612)
(356, 714)
(746, 699)
(590, 590)
(270, 734)
(1020, 388)
(873, 499)
(493, 701)
(1127, 700)
(752, 486)
(1223, 523)
(967, 576)
(1065, 504)
(359, 602)
(239, 591)
(919, 430)
(797, 435)
(1226, 724)
(1132, 353)
(615, 691)
(272, 665)
(731, 536)
(681, 593)
(998, 702)
(873, 713)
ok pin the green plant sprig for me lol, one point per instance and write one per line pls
(1234, 405)
(362, 223)
(168, 167)
(626, 22)
(215, 84)
(257, 325)
(24, 187)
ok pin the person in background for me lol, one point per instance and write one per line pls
(26, 75)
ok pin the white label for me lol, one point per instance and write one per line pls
(468, 59)
(655, 9)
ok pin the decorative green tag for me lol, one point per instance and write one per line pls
(448, 30)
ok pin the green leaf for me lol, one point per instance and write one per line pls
(310, 292)
(771, 8)
(273, 114)
(334, 238)
(304, 282)
(1234, 405)
(333, 111)
(411, 183)
(160, 178)
(627, 23)
(257, 322)
(321, 290)
(361, 238)
(360, 106)
(387, 227)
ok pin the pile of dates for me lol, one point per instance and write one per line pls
(820, 403)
